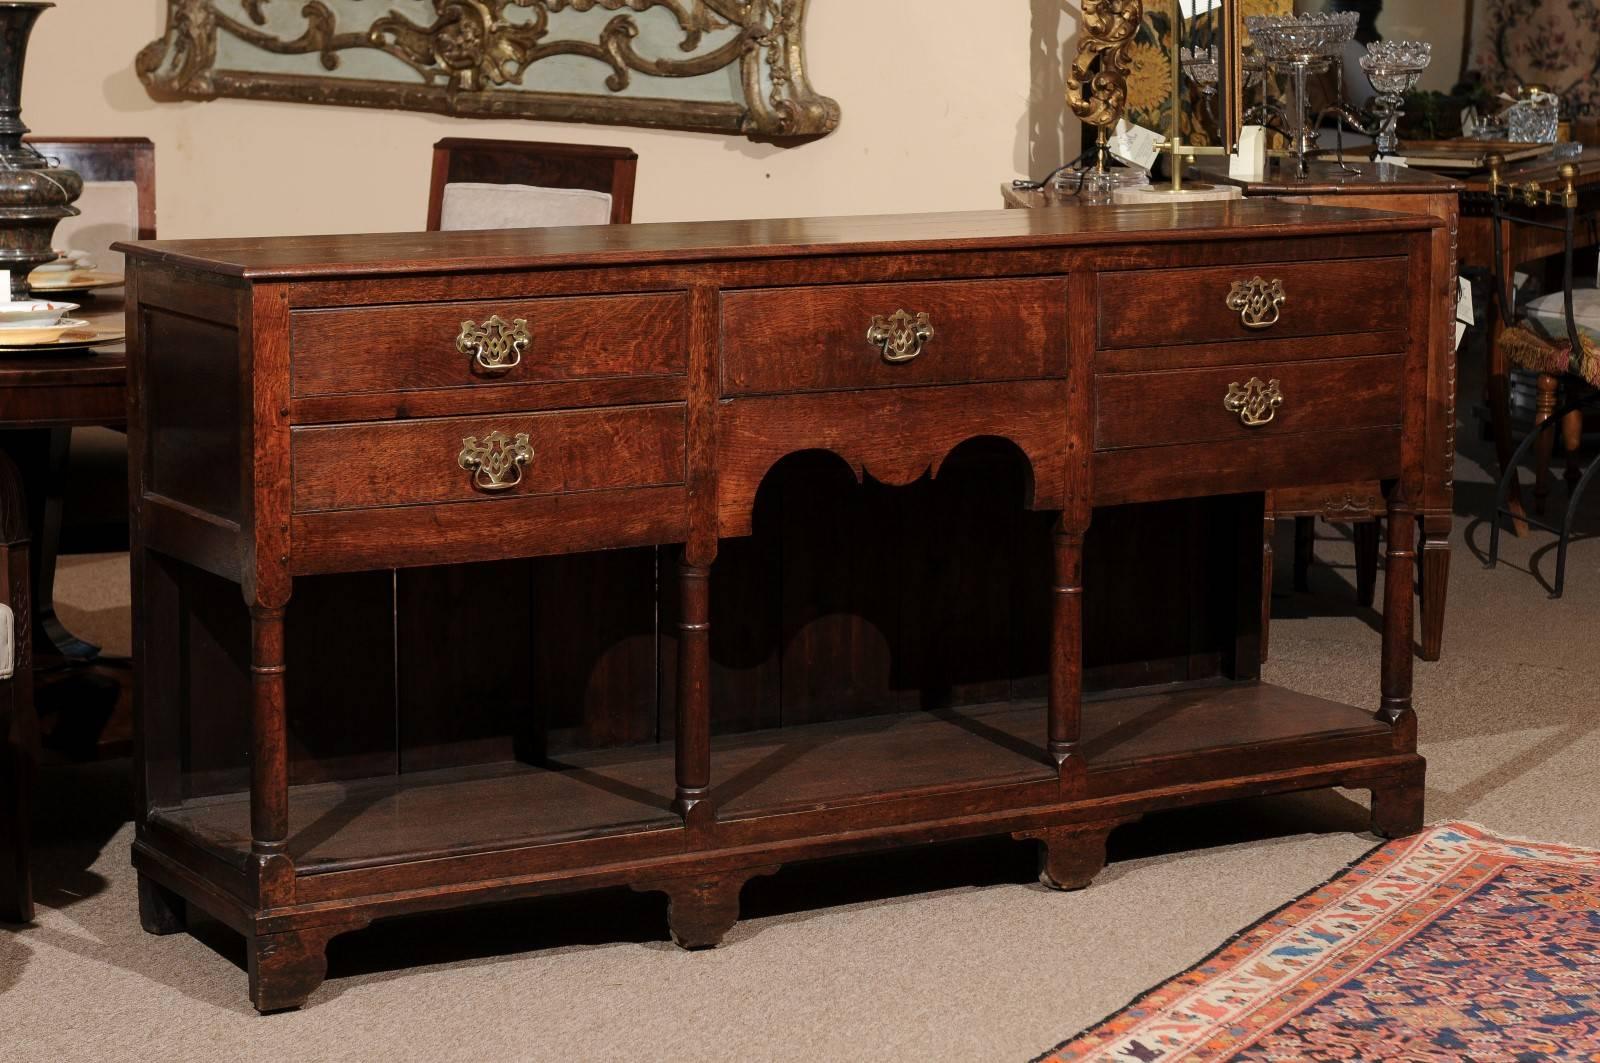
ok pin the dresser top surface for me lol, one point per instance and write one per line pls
(379, 254)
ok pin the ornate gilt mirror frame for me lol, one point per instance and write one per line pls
(726, 66)
(1121, 54)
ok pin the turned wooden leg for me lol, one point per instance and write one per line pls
(693, 739)
(1269, 528)
(1399, 618)
(269, 750)
(1305, 539)
(286, 968)
(1366, 538)
(1544, 446)
(1066, 655)
(701, 909)
(1071, 856)
(1435, 586)
(1397, 806)
(161, 911)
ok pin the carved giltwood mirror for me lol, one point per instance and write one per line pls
(729, 66)
(1173, 66)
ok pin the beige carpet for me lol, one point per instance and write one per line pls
(951, 954)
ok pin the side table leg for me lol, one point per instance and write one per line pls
(41, 456)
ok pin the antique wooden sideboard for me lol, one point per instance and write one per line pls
(478, 565)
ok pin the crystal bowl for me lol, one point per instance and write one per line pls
(1314, 35)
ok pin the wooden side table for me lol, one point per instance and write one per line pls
(1407, 191)
(42, 398)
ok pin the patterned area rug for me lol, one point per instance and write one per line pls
(1453, 944)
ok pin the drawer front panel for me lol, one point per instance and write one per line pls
(1162, 307)
(420, 346)
(1262, 464)
(494, 456)
(1194, 406)
(886, 335)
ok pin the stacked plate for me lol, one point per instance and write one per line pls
(74, 271)
(40, 323)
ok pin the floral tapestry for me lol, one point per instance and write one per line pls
(1554, 43)
(1150, 60)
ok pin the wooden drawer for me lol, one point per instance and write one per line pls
(401, 463)
(414, 347)
(817, 339)
(1161, 307)
(1188, 405)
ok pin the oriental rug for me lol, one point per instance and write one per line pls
(1453, 944)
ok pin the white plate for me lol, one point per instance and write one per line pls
(39, 335)
(72, 281)
(33, 312)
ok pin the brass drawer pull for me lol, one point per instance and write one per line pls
(496, 346)
(496, 463)
(1255, 402)
(900, 337)
(1257, 301)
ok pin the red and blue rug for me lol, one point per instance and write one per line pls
(1453, 944)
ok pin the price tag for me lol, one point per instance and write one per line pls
(1134, 144)
(1464, 316)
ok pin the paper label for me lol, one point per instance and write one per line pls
(1250, 164)
(1464, 316)
(1134, 144)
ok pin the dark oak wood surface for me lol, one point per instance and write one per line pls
(810, 599)
(385, 254)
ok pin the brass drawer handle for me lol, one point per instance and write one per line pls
(1257, 301)
(495, 346)
(900, 337)
(1255, 402)
(496, 463)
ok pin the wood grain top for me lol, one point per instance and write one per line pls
(380, 254)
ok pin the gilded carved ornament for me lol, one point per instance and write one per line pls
(473, 57)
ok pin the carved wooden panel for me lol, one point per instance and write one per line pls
(730, 66)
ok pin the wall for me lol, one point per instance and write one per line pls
(940, 106)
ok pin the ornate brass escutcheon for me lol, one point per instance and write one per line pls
(900, 337)
(1257, 301)
(496, 346)
(496, 463)
(1255, 402)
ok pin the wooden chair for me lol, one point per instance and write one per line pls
(19, 734)
(461, 160)
(110, 159)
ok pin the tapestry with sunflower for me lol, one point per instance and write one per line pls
(1150, 62)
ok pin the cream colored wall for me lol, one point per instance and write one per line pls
(935, 94)
(1442, 23)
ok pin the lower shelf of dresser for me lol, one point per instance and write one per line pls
(776, 786)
